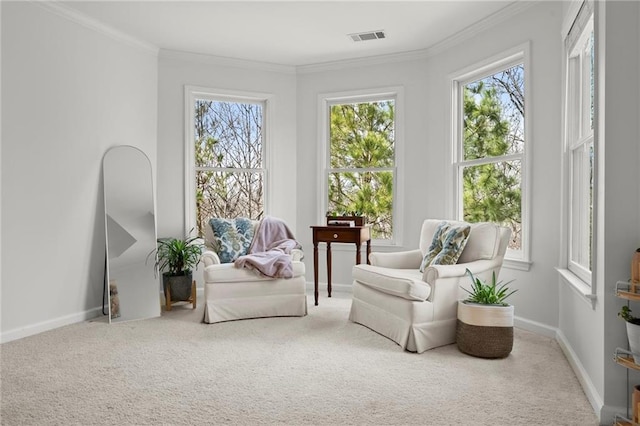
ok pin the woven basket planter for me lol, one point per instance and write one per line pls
(484, 331)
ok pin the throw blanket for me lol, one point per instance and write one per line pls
(270, 250)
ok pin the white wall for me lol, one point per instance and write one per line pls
(621, 177)
(593, 334)
(427, 146)
(68, 94)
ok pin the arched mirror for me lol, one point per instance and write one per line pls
(133, 289)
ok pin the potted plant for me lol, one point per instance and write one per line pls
(633, 332)
(485, 321)
(176, 258)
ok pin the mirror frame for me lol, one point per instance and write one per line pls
(150, 287)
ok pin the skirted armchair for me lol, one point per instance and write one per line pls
(410, 297)
(235, 288)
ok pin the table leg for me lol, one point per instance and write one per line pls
(315, 272)
(358, 253)
(329, 268)
(368, 251)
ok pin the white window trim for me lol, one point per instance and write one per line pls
(364, 95)
(583, 285)
(517, 55)
(571, 144)
(191, 93)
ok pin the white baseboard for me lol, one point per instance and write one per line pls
(322, 287)
(535, 327)
(43, 326)
(605, 414)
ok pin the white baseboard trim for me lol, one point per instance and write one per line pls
(90, 314)
(585, 381)
(322, 287)
(604, 413)
(535, 327)
(43, 326)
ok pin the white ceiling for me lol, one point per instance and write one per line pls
(291, 33)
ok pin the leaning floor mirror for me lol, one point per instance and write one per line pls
(133, 289)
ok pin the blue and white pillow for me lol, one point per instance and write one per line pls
(453, 243)
(231, 237)
(447, 245)
(435, 247)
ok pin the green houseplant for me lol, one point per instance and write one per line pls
(485, 320)
(176, 258)
(633, 332)
(488, 294)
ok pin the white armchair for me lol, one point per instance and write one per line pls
(233, 293)
(418, 310)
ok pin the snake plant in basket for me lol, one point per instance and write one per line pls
(488, 294)
(485, 320)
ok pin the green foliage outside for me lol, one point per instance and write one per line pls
(228, 159)
(229, 171)
(362, 163)
(493, 127)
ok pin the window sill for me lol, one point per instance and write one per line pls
(577, 285)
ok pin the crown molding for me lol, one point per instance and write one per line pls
(225, 61)
(366, 61)
(476, 28)
(468, 33)
(64, 11)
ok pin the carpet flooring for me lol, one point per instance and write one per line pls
(316, 370)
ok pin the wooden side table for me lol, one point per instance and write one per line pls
(337, 234)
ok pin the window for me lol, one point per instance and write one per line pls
(226, 149)
(489, 153)
(360, 173)
(579, 145)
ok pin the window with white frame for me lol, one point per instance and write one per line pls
(360, 172)
(226, 155)
(489, 148)
(579, 144)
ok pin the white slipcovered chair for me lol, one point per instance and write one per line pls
(418, 310)
(233, 293)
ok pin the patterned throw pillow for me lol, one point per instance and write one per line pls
(447, 245)
(231, 237)
(435, 247)
(453, 242)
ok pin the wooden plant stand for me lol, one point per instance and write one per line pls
(191, 299)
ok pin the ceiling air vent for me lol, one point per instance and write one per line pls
(369, 35)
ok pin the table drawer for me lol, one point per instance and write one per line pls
(337, 236)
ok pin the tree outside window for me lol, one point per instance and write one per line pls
(229, 160)
(361, 172)
(491, 153)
